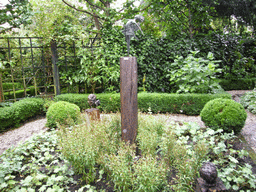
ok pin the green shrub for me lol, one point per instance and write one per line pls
(20, 111)
(64, 113)
(225, 114)
(47, 104)
(28, 107)
(6, 117)
(195, 75)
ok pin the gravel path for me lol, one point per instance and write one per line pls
(19, 135)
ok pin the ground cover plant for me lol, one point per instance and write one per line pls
(248, 100)
(164, 158)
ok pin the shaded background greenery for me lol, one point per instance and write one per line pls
(171, 29)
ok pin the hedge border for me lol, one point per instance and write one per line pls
(189, 104)
(20, 111)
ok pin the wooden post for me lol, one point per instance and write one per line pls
(55, 67)
(93, 113)
(129, 103)
(1, 88)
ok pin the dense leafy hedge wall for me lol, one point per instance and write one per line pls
(190, 104)
(154, 56)
(238, 84)
(20, 111)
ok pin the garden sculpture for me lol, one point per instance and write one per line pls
(93, 102)
(209, 180)
(130, 28)
(209, 173)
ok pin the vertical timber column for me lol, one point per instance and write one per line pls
(55, 67)
(1, 88)
(129, 103)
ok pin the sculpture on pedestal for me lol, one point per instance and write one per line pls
(94, 113)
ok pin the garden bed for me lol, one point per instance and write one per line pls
(40, 162)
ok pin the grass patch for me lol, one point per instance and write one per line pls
(164, 158)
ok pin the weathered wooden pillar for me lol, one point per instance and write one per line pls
(129, 103)
(55, 67)
(1, 88)
(93, 113)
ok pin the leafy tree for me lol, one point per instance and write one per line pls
(103, 12)
(243, 11)
(182, 16)
(14, 13)
(53, 20)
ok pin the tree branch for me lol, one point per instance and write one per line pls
(84, 11)
(95, 6)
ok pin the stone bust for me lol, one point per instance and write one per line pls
(93, 102)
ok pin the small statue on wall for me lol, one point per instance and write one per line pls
(130, 28)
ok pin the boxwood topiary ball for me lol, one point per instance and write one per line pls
(225, 114)
(62, 112)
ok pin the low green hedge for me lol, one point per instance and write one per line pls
(189, 104)
(9, 86)
(19, 93)
(20, 111)
(238, 84)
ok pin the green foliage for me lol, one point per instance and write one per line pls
(149, 134)
(7, 117)
(36, 165)
(20, 111)
(219, 145)
(226, 9)
(225, 114)
(248, 100)
(154, 57)
(15, 13)
(81, 100)
(62, 113)
(102, 138)
(20, 93)
(238, 84)
(195, 75)
(181, 17)
(47, 104)
(52, 20)
(7, 86)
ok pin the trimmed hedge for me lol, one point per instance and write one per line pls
(189, 104)
(20, 111)
(19, 93)
(225, 114)
(64, 113)
(9, 86)
(238, 84)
